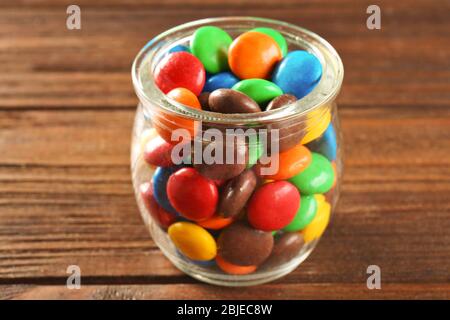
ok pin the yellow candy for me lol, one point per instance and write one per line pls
(316, 127)
(319, 198)
(193, 241)
(316, 228)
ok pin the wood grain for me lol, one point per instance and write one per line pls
(66, 112)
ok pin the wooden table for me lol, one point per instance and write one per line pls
(66, 112)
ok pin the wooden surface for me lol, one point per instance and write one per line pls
(66, 111)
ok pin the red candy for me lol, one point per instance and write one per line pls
(273, 206)
(192, 195)
(163, 218)
(180, 69)
(157, 152)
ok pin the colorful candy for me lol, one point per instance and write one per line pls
(318, 225)
(298, 73)
(273, 206)
(157, 152)
(180, 70)
(260, 90)
(192, 195)
(242, 245)
(305, 214)
(163, 218)
(210, 45)
(223, 80)
(193, 241)
(160, 178)
(234, 269)
(253, 55)
(231, 101)
(326, 145)
(287, 247)
(318, 177)
(275, 36)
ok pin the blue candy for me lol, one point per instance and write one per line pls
(326, 144)
(220, 80)
(179, 48)
(159, 187)
(298, 73)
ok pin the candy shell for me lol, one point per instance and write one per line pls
(163, 218)
(159, 182)
(298, 73)
(157, 152)
(193, 241)
(215, 223)
(286, 247)
(179, 48)
(231, 101)
(192, 195)
(305, 214)
(281, 41)
(316, 228)
(260, 90)
(318, 177)
(290, 163)
(234, 269)
(223, 80)
(210, 45)
(273, 206)
(165, 124)
(242, 245)
(253, 55)
(326, 144)
(316, 123)
(180, 70)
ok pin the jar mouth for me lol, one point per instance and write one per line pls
(324, 92)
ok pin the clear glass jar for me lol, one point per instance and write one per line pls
(311, 121)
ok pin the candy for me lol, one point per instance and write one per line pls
(316, 123)
(210, 45)
(298, 73)
(180, 70)
(318, 177)
(242, 245)
(157, 152)
(223, 80)
(305, 214)
(159, 187)
(318, 225)
(260, 90)
(231, 101)
(215, 223)
(233, 268)
(255, 151)
(163, 218)
(192, 195)
(193, 241)
(290, 163)
(275, 35)
(167, 123)
(286, 247)
(273, 206)
(224, 170)
(281, 101)
(326, 145)
(253, 55)
(179, 48)
(235, 194)
(203, 99)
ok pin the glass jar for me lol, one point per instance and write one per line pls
(239, 248)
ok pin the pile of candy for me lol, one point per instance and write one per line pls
(230, 215)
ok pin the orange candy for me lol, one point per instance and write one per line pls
(290, 163)
(165, 124)
(215, 222)
(253, 55)
(233, 268)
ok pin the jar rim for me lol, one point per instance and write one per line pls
(323, 93)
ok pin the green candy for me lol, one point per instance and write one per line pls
(305, 214)
(255, 151)
(260, 90)
(210, 45)
(275, 35)
(318, 177)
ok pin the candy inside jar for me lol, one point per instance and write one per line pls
(236, 146)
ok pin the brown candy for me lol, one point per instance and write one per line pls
(290, 132)
(231, 101)
(203, 99)
(286, 247)
(242, 245)
(236, 192)
(225, 171)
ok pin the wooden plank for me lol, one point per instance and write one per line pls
(198, 291)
